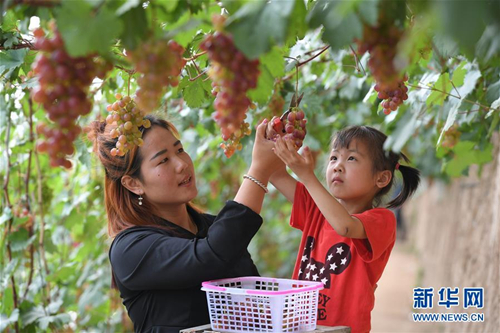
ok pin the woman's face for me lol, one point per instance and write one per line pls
(167, 171)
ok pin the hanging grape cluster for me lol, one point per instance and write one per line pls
(232, 76)
(381, 42)
(160, 63)
(128, 118)
(63, 84)
(295, 126)
(233, 143)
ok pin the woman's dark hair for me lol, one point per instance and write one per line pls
(382, 160)
(122, 206)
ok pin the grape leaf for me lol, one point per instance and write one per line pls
(82, 38)
(470, 80)
(129, 4)
(341, 25)
(274, 62)
(194, 94)
(135, 25)
(445, 86)
(10, 60)
(368, 10)
(465, 155)
(262, 23)
(264, 88)
(463, 21)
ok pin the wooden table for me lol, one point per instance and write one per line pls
(319, 329)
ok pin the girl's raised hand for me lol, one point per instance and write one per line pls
(301, 165)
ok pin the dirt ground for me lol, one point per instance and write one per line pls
(394, 295)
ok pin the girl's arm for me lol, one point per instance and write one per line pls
(280, 179)
(285, 183)
(338, 217)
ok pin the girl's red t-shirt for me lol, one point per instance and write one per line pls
(349, 268)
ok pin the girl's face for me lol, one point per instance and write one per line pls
(350, 175)
(167, 171)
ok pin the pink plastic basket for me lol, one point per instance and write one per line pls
(260, 304)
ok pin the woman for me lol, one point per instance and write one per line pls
(163, 248)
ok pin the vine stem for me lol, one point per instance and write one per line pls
(299, 64)
(199, 75)
(26, 184)
(11, 219)
(197, 55)
(451, 95)
(356, 58)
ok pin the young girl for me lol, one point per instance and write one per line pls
(346, 239)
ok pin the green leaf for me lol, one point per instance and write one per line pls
(297, 27)
(463, 21)
(194, 94)
(265, 85)
(135, 25)
(10, 60)
(20, 240)
(85, 32)
(341, 23)
(472, 75)
(459, 74)
(465, 154)
(129, 4)
(274, 61)
(32, 314)
(6, 215)
(368, 11)
(489, 44)
(262, 23)
(6, 321)
(445, 86)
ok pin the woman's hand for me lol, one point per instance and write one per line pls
(301, 165)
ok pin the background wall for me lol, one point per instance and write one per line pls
(454, 229)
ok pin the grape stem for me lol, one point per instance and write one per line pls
(358, 62)
(19, 46)
(323, 49)
(197, 55)
(197, 76)
(487, 108)
(11, 219)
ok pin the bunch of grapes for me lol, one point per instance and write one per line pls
(160, 62)
(128, 118)
(381, 42)
(62, 90)
(232, 76)
(276, 104)
(233, 143)
(295, 126)
(392, 99)
(451, 137)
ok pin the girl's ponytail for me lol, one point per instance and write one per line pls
(411, 179)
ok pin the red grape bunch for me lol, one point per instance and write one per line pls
(381, 42)
(63, 84)
(128, 118)
(295, 126)
(232, 74)
(160, 63)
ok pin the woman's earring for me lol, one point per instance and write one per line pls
(140, 199)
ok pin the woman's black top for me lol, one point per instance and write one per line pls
(159, 272)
